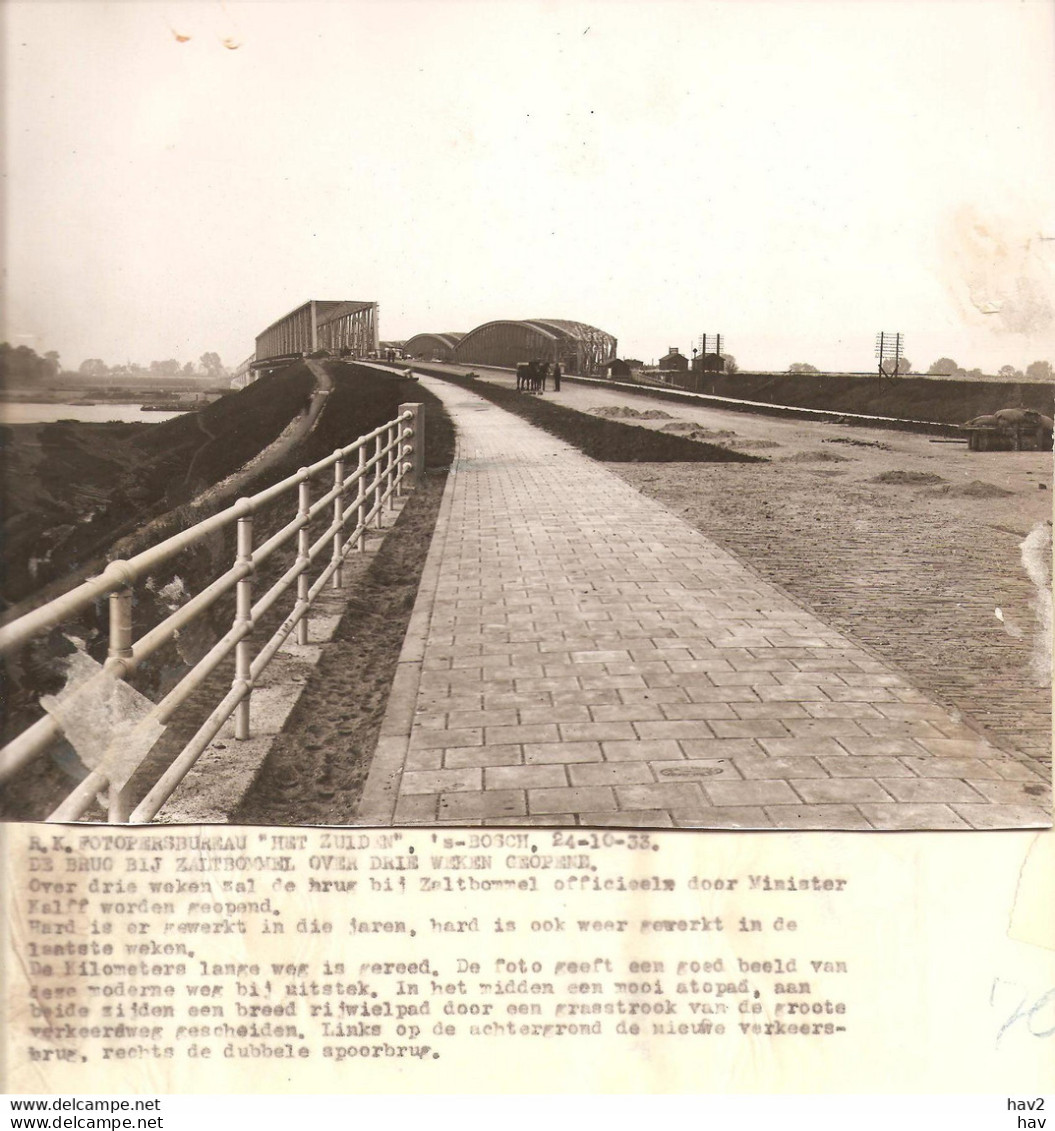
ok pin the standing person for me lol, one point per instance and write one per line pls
(543, 370)
(556, 376)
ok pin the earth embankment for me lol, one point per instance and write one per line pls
(72, 489)
(941, 400)
(111, 463)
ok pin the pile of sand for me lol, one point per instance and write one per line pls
(625, 411)
(857, 443)
(697, 432)
(815, 457)
(908, 478)
(976, 489)
(753, 445)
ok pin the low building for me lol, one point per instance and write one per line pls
(708, 363)
(674, 360)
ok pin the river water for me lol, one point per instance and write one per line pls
(28, 412)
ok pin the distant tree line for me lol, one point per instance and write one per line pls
(947, 367)
(209, 365)
(1035, 371)
(802, 367)
(20, 364)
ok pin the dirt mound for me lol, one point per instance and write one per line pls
(908, 478)
(73, 490)
(695, 432)
(616, 411)
(857, 443)
(815, 457)
(976, 489)
(752, 445)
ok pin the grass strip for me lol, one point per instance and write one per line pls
(608, 441)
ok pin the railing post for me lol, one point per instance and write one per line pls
(121, 623)
(378, 479)
(390, 466)
(243, 617)
(360, 518)
(417, 443)
(303, 546)
(118, 806)
(338, 520)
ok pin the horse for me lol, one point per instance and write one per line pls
(531, 377)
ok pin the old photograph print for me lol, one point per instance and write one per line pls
(603, 415)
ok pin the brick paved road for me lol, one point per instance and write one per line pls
(579, 654)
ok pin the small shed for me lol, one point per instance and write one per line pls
(674, 359)
(708, 363)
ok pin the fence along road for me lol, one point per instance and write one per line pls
(579, 654)
(126, 724)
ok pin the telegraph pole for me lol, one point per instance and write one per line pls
(889, 347)
(711, 343)
(708, 359)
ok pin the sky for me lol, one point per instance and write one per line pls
(795, 176)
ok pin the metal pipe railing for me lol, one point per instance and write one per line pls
(118, 573)
(363, 495)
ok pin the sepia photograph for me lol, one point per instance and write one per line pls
(528, 415)
(526, 563)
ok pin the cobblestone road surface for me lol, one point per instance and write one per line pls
(580, 654)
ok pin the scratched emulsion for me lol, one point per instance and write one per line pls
(1036, 560)
(1003, 270)
(107, 722)
(222, 27)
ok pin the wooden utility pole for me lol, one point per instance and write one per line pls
(889, 347)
